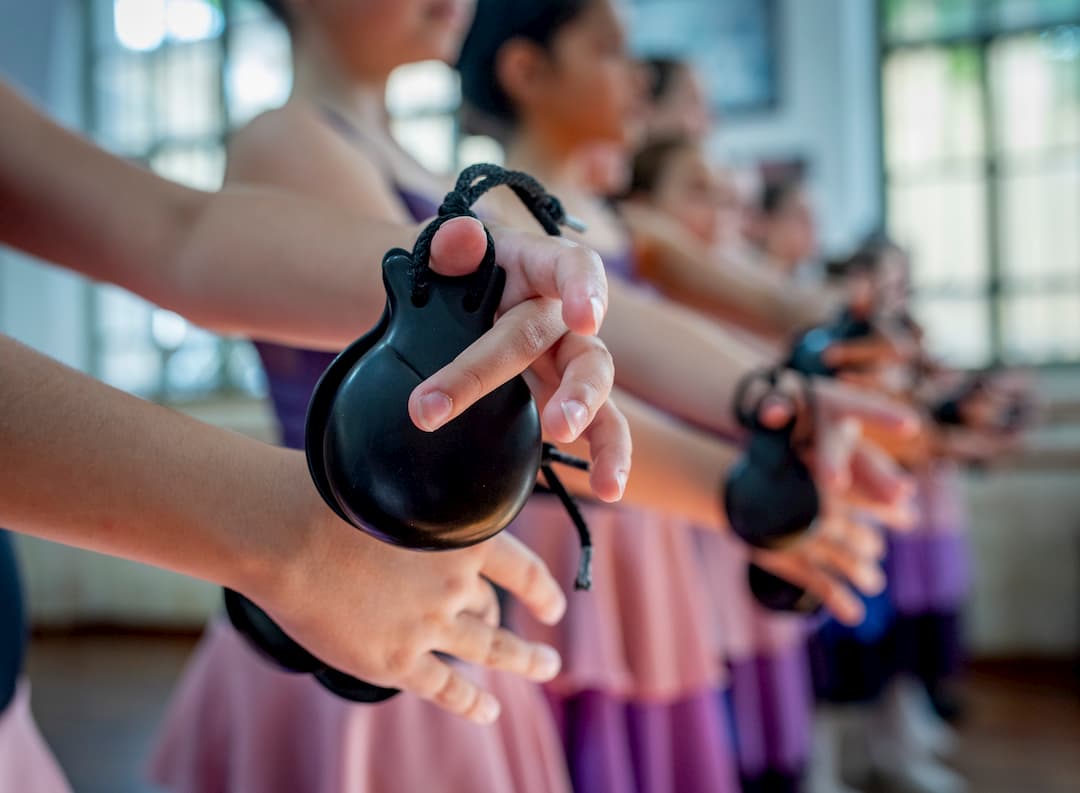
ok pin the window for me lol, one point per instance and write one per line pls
(981, 119)
(166, 81)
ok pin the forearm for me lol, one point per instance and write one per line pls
(254, 262)
(65, 200)
(675, 359)
(280, 267)
(748, 296)
(677, 470)
(89, 466)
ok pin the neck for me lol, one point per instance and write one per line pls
(320, 77)
(545, 159)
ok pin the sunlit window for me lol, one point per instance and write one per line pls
(981, 111)
(167, 80)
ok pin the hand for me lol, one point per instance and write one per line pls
(552, 307)
(855, 480)
(379, 613)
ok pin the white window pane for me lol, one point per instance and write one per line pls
(259, 72)
(944, 226)
(480, 148)
(1036, 85)
(136, 371)
(932, 107)
(198, 167)
(957, 329)
(1041, 328)
(420, 87)
(429, 140)
(187, 86)
(1040, 233)
(244, 369)
(124, 98)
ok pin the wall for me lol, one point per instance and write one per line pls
(826, 115)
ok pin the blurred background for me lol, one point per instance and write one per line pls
(955, 124)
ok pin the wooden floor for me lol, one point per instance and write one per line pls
(98, 699)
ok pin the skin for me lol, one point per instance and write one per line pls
(359, 178)
(580, 69)
(136, 477)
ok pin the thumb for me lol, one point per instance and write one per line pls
(458, 246)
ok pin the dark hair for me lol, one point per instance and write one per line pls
(652, 160)
(776, 192)
(662, 74)
(280, 9)
(497, 22)
(866, 257)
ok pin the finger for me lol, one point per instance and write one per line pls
(611, 448)
(511, 565)
(870, 381)
(836, 398)
(436, 681)
(863, 573)
(497, 648)
(834, 596)
(458, 247)
(608, 436)
(836, 442)
(861, 353)
(518, 338)
(483, 603)
(588, 375)
(553, 267)
(877, 478)
(864, 539)
(775, 411)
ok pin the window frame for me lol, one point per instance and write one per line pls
(987, 32)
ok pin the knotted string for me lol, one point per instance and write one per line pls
(471, 184)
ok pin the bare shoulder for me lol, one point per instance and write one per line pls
(292, 147)
(290, 137)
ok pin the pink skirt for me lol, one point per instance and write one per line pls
(771, 691)
(645, 631)
(639, 701)
(26, 764)
(239, 725)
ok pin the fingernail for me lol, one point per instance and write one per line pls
(488, 710)
(434, 410)
(597, 310)
(576, 415)
(548, 663)
(620, 480)
(555, 614)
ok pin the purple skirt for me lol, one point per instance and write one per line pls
(619, 746)
(771, 700)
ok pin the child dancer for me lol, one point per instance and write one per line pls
(770, 693)
(555, 77)
(336, 118)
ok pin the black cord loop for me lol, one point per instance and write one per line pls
(471, 184)
(553, 455)
(748, 416)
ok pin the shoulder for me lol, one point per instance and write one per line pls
(295, 149)
(292, 138)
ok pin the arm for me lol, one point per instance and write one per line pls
(282, 267)
(752, 297)
(681, 471)
(90, 466)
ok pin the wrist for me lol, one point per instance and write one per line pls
(270, 554)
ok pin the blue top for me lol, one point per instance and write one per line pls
(12, 622)
(292, 372)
